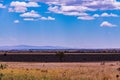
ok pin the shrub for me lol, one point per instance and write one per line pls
(3, 66)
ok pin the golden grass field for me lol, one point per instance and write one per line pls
(60, 71)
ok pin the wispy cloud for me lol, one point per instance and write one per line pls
(47, 18)
(96, 15)
(32, 13)
(105, 15)
(24, 4)
(86, 18)
(109, 15)
(16, 21)
(107, 24)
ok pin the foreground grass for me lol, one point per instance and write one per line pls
(101, 72)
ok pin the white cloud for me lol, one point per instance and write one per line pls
(51, 18)
(103, 4)
(16, 21)
(34, 16)
(17, 9)
(17, 3)
(109, 15)
(41, 18)
(32, 4)
(54, 9)
(24, 4)
(75, 13)
(90, 4)
(16, 6)
(2, 6)
(31, 14)
(10, 10)
(107, 24)
(68, 11)
(96, 15)
(47, 18)
(76, 7)
(86, 18)
(105, 15)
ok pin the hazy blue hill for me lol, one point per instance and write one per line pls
(24, 47)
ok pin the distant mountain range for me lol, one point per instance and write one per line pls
(26, 47)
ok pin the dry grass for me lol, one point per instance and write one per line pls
(61, 71)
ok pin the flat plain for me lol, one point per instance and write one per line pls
(101, 69)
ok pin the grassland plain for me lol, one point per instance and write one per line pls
(60, 71)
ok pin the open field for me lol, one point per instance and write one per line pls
(60, 71)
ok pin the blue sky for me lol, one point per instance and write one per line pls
(68, 23)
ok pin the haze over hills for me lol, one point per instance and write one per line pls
(26, 47)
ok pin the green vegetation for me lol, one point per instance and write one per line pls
(12, 76)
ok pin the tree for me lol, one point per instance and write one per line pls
(60, 55)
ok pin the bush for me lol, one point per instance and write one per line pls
(3, 66)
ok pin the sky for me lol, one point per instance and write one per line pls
(67, 23)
